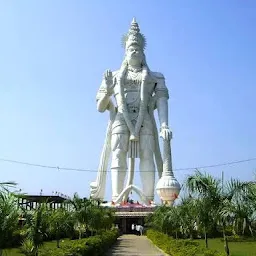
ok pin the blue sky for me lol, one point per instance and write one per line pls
(53, 55)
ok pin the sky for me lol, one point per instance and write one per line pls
(52, 58)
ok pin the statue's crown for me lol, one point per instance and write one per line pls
(134, 36)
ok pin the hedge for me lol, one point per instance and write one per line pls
(179, 247)
(91, 246)
(19, 235)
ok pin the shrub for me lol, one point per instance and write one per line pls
(16, 239)
(179, 247)
(91, 246)
(28, 247)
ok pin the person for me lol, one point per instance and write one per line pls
(141, 230)
(132, 228)
(137, 230)
(132, 131)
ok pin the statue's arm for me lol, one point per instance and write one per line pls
(162, 97)
(105, 92)
(103, 98)
(162, 107)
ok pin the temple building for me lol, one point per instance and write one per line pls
(128, 214)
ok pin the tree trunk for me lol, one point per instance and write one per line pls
(176, 234)
(205, 238)
(58, 243)
(226, 248)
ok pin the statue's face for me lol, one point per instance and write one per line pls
(134, 54)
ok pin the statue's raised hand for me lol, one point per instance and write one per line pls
(165, 132)
(108, 77)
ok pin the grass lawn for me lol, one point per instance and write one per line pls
(236, 248)
(16, 251)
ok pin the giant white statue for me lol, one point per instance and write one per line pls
(131, 94)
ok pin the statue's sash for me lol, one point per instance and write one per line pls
(98, 186)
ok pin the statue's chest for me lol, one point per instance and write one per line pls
(132, 91)
(132, 88)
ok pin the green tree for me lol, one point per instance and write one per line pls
(37, 222)
(173, 220)
(60, 221)
(8, 217)
(8, 213)
(81, 209)
(158, 220)
(239, 206)
(188, 213)
(100, 218)
(208, 192)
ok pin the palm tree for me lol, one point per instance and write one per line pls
(7, 185)
(8, 217)
(232, 193)
(208, 191)
(108, 218)
(238, 206)
(37, 223)
(100, 218)
(188, 212)
(174, 219)
(232, 203)
(81, 212)
(60, 221)
(157, 220)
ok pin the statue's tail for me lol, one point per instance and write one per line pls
(98, 186)
(127, 190)
(130, 175)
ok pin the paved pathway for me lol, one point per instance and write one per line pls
(132, 245)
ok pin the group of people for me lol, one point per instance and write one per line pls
(137, 229)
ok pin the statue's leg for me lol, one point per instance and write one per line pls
(147, 165)
(119, 146)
